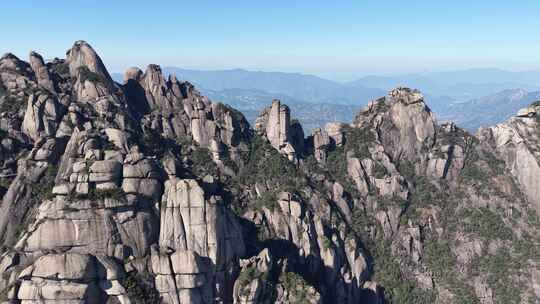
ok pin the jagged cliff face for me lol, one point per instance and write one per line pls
(104, 184)
(148, 192)
(517, 143)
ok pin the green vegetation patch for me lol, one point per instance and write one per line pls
(140, 289)
(39, 192)
(11, 104)
(361, 221)
(236, 115)
(3, 90)
(379, 171)
(43, 189)
(486, 223)
(457, 136)
(537, 117)
(359, 140)
(440, 259)
(267, 199)
(495, 164)
(264, 163)
(397, 288)
(407, 169)
(3, 134)
(498, 269)
(249, 275)
(203, 162)
(426, 195)
(386, 202)
(86, 74)
(152, 142)
(532, 218)
(472, 173)
(296, 286)
(98, 194)
(480, 167)
(4, 185)
(336, 165)
(408, 293)
(463, 293)
(61, 68)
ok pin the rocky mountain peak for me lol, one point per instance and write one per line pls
(155, 85)
(517, 142)
(133, 73)
(153, 74)
(405, 95)
(11, 64)
(274, 123)
(10, 57)
(149, 192)
(43, 76)
(402, 121)
(7, 56)
(83, 56)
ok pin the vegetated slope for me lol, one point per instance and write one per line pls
(147, 192)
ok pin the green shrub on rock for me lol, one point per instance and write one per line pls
(296, 286)
(536, 104)
(140, 288)
(359, 140)
(86, 74)
(60, 68)
(99, 194)
(387, 272)
(486, 223)
(264, 163)
(43, 189)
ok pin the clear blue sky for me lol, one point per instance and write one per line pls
(333, 38)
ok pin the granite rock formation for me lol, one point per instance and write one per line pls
(148, 192)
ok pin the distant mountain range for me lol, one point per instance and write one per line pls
(313, 100)
(472, 98)
(489, 110)
(300, 86)
(460, 85)
(311, 115)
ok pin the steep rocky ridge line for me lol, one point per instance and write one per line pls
(147, 192)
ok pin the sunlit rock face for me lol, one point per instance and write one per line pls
(148, 192)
